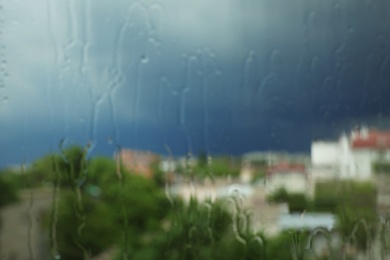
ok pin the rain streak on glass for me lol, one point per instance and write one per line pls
(3, 61)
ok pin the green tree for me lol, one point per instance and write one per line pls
(84, 227)
(297, 202)
(105, 210)
(8, 191)
(67, 169)
(381, 166)
(203, 231)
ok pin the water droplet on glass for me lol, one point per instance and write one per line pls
(94, 191)
(144, 59)
(63, 143)
(81, 181)
(5, 99)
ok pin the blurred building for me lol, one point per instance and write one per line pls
(350, 157)
(287, 176)
(138, 162)
(255, 162)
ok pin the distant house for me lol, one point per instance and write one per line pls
(255, 162)
(247, 172)
(351, 157)
(291, 177)
(368, 147)
(138, 162)
(325, 160)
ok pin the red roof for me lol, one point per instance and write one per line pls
(286, 168)
(372, 140)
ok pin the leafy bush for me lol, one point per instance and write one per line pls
(326, 198)
(202, 231)
(97, 209)
(8, 192)
(381, 167)
(354, 203)
(297, 202)
(287, 245)
(84, 227)
(220, 166)
(65, 169)
(280, 195)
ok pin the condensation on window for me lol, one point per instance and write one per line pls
(194, 130)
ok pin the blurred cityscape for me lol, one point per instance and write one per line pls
(341, 183)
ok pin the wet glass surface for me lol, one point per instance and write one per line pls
(194, 130)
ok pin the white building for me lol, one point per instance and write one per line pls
(351, 157)
(253, 162)
(291, 177)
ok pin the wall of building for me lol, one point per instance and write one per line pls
(325, 153)
(338, 160)
(362, 163)
(323, 173)
(292, 182)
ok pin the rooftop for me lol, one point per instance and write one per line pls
(370, 139)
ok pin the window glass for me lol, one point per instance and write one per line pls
(201, 129)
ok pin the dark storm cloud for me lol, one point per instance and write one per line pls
(225, 76)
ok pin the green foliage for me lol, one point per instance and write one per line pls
(287, 245)
(202, 231)
(358, 206)
(258, 175)
(72, 166)
(259, 164)
(40, 173)
(8, 191)
(98, 209)
(194, 228)
(84, 228)
(158, 175)
(297, 202)
(220, 166)
(381, 167)
(66, 169)
(102, 171)
(326, 198)
(279, 195)
(355, 205)
(102, 205)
